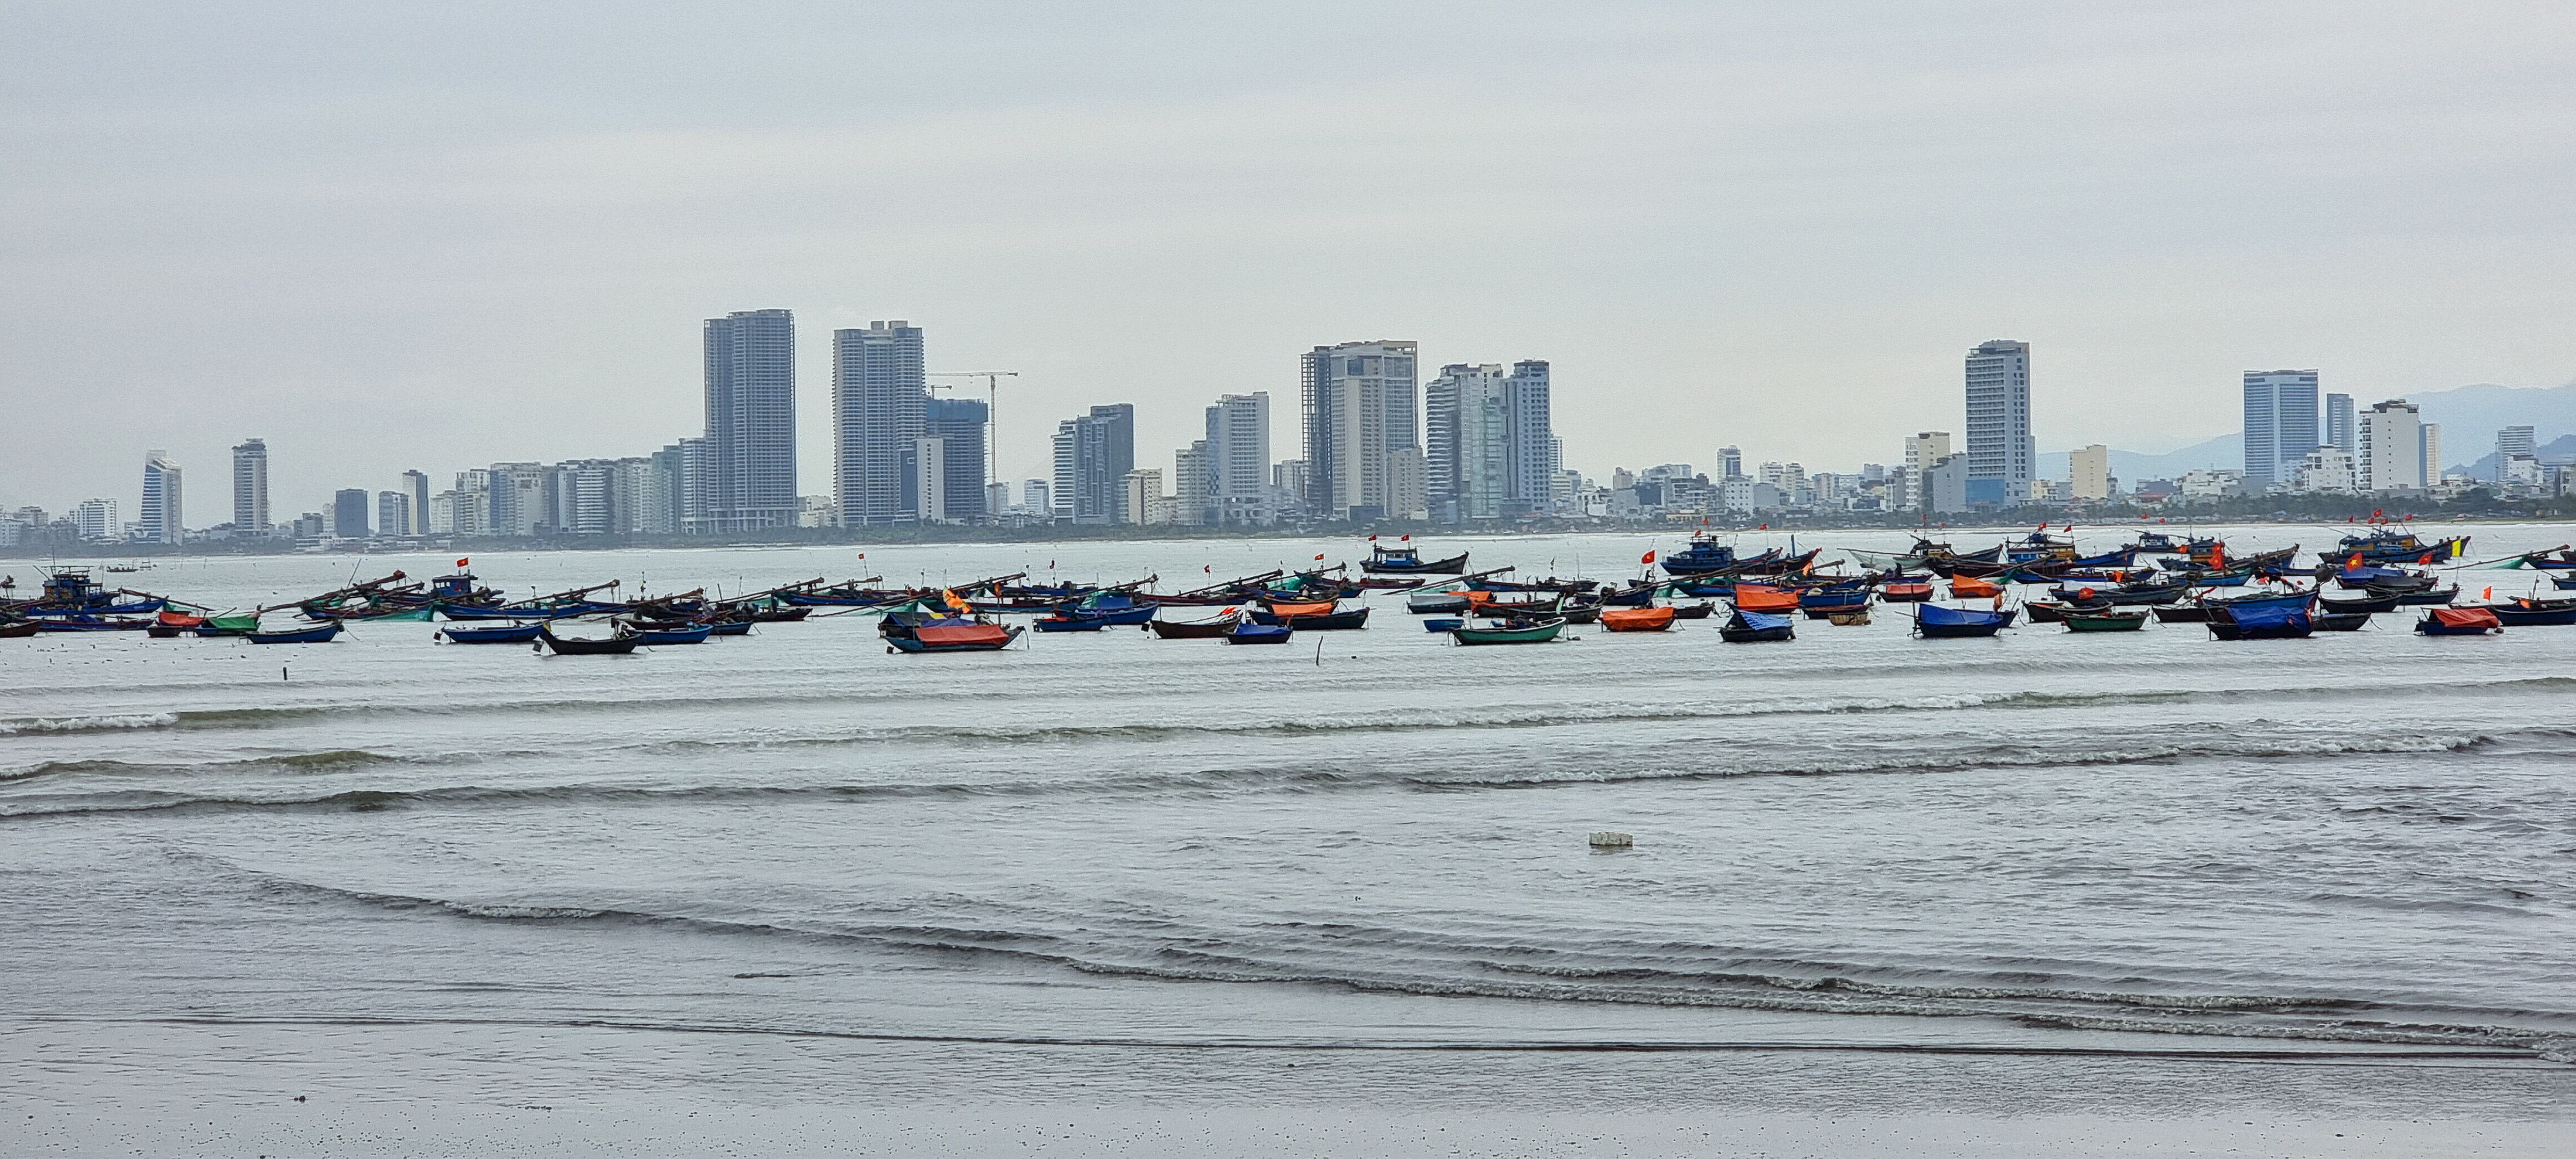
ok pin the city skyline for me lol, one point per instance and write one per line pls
(1699, 239)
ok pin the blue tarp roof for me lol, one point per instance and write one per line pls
(1936, 614)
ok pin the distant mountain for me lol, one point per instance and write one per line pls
(2471, 416)
(2225, 451)
(2487, 466)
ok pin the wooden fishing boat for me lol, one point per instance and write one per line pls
(1858, 619)
(1528, 632)
(2259, 620)
(1211, 629)
(317, 634)
(1906, 592)
(1442, 624)
(1407, 560)
(1699, 611)
(1636, 619)
(19, 629)
(84, 622)
(617, 645)
(2192, 613)
(2105, 621)
(658, 636)
(2459, 622)
(1971, 588)
(2339, 621)
(1935, 622)
(1757, 628)
(1765, 599)
(1330, 619)
(2429, 598)
(951, 635)
(2365, 605)
(1060, 622)
(2527, 613)
(1243, 633)
(2051, 612)
(497, 634)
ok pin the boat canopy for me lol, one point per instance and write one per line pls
(2266, 616)
(2466, 618)
(966, 633)
(1761, 621)
(1936, 614)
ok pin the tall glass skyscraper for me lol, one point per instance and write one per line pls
(161, 516)
(751, 422)
(1361, 411)
(1093, 454)
(2001, 455)
(250, 488)
(878, 409)
(958, 423)
(2338, 420)
(2280, 425)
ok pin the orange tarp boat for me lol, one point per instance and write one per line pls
(180, 619)
(1762, 598)
(1636, 619)
(957, 635)
(1967, 588)
(2466, 618)
(1323, 609)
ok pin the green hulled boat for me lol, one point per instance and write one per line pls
(2105, 621)
(1535, 633)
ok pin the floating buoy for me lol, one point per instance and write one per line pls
(1612, 839)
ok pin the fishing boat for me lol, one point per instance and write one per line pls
(2365, 605)
(1757, 628)
(322, 633)
(1933, 621)
(1407, 560)
(84, 622)
(2527, 613)
(1971, 588)
(1510, 632)
(19, 629)
(1765, 599)
(2429, 597)
(1246, 633)
(1209, 629)
(620, 644)
(2052, 612)
(1822, 603)
(497, 634)
(2459, 622)
(2389, 545)
(239, 624)
(1309, 617)
(2259, 620)
(1442, 624)
(1859, 619)
(1062, 621)
(657, 636)
(1905, 592)
(1699, 611)
(1636, 619)
(2191, 613)
(957, 634)
(2339, 621)
(1489, 604)
(2105, 621)
(1704, 556)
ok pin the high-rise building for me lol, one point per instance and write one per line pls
(2089, 472)
(1093, 454)
(878, 411)
(393, 513)
(2392, 447)
(1922, 450)
(1359, 405)
(1531, 450)
(2001, 453)
(2428, 447)
(1141, 498)
(751, 422)
(95, 519)
(416, 485)
(2338, 423)
(2280, 425)
(925, 483)
(162, 518)
(997, 499)
(959, 424)
(349, 513)
(1490, 441)
(471, 513)
(1037, 498)
(250, 489)
(1193, 498)
(1238, 458)
(1730, 463)
(2512, 441)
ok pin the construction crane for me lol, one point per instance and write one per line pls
(992, 398)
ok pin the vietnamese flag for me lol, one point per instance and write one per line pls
(460, 562)
(1404, 539)
(1319, 557)
(1649, 557)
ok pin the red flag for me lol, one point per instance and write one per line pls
(2490, 594)
(1319, 557)
(1764, 527)
(1208, 568)
(2427, 557)
(1372, 539)
(2374, 512)
(1404, 539)
(1649, 557)
(460, 562)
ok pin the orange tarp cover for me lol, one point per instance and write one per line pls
(178, 620)
(1323, 609)
(2466, 618)
(1636, 619)
(961, 634)
(1759, 598)
(1970, 588)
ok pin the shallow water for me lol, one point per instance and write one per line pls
(2040, 843)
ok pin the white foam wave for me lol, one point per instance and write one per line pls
(89, 723)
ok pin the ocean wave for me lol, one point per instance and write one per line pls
(1302, 777)
(102, 723)
(1823, 988)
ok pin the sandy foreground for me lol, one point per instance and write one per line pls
(78, 1088)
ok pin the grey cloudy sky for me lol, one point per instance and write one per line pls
(479, 232)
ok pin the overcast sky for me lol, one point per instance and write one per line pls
(490, 232)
